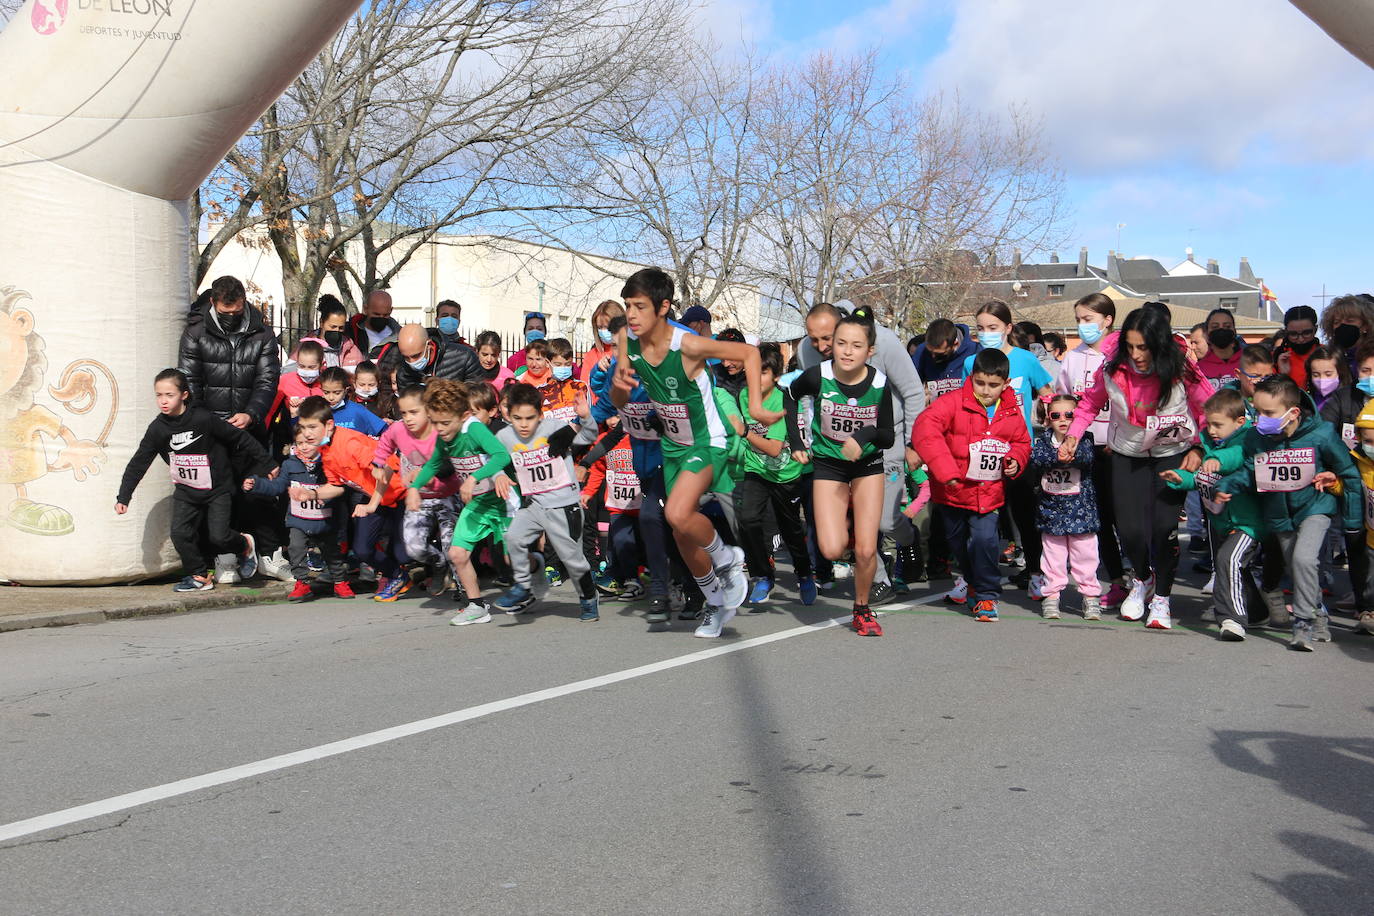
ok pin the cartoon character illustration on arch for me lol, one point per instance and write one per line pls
(26, 425)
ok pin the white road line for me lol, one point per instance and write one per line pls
(129, 800)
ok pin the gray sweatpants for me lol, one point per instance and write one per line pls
(562, 530)
(1301, 549)
(428, 531)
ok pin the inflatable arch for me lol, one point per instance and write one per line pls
(112, 112)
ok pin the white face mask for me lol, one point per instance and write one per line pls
(366, 393)
(308, 375)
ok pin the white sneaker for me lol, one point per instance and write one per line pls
(1209, 615)
(734, 583)
(958, 594)
(1133, 608)
(1159, 614)
(473, 613)
(1036, 588)
(713, 621)
(1232, 631)
(1049, 609)
(276, 566)
(226, 569)
(1207, 589)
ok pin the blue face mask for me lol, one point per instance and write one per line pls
(1366, 385)
(1270, 426)
(533, 334)
(1090, 333)
(605, 335)
(338, 405)
(420, 363)
(562, 373)
(448, 326)
(990, 339)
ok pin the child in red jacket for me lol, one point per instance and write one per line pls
(970, 440)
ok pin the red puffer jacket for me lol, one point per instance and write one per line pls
(947, 428)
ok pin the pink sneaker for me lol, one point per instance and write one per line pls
(1115, 595)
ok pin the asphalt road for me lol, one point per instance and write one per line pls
(948, 767)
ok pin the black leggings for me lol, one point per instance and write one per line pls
(1147, 516)
(1021, 502)
(1108, 549)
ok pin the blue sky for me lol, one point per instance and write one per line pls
(1236, 127)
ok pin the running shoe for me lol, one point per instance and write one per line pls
(958, 594)
(1115, 595)
(606, 584)
(759, 590)
(515, 600)
(631, 591)
(439, 579)
(1321, 627)
(1133, 608)
(713, 621)
(248, 560)
(301, 591)
(734, 582)
(394, 588)
(985, 611)
(1301, 640)
(659, 609)
(473, 613)
(343, 590)
(865, 623)
(314, 560)
(691, 607)
(194, 584)
(1197, 543)
(1010, 552)
(553, 576)
(1279, 616)
(1232, 631)
(226, 569)
(1049, 607)
(1035, 589)
(1211, 584)
(881, 593)
(806, 588)
(589, 610)
(1159, 614)
(1092, 607)
(275, 566)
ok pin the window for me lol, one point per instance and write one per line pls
(1228, 304)
(1056, 289)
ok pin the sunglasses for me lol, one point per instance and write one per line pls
(1061, 414)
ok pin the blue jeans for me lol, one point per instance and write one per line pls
(975, 542)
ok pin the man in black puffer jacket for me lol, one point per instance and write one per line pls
(232, 362)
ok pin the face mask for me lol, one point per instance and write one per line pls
(562, 373)
(338, 405)
(366, 394)
(990, 339)
(532, 335)
(1366, 385)
(230, 323)
(377, 324)
(1090, 333)
(308, 375)
(1326, 385)
(1270, 426)
(1346, 336)
(1221, 338)
(605, 335)
(1302, 348)
(419, 364)
(1367, 451)
(448, 325)
(333, 339)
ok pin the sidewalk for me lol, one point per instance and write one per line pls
(23, 607)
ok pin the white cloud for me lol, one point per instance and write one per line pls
(1205, 81)
(733, 23)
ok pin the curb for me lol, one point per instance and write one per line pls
(217, 600)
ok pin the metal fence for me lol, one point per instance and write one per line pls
(289, 335)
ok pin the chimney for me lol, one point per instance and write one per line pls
(1082, 262)
(1054, 257)
(1189, 253)
(1212, 266)
(1246, 274)
(1113, 268)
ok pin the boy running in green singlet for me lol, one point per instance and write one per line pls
(670, 361)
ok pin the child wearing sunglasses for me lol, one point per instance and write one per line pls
(1066, 511)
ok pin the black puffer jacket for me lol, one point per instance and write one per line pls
(458, 362)
(230, 373)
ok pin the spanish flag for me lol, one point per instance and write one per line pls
(1267, 294)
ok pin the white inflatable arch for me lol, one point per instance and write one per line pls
(112, 112)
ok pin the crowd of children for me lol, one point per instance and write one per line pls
(672, 466)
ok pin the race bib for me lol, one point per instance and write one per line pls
(190, 470)
(942, 386)
(985, 459)
(1348, 435)
(565, 414)
(1016, 386)
(1062, 482)
(1207, 491)
(468, 465)
(1165, 430)
(1285, 470)
(677, 424)
(635, 416)
(841, 421)
(312, 509)
(539, 472)
(622, 491)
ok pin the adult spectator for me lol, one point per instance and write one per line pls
(1197, 340)
(908, 400)
(1297, 342)
(374, 327)
(1056, 345)
(338, 349)
(536, 328)
(232, 363)
(1221, 362)
(698, 319)
(913, 344)
(454, 358)
(940, 360)
(1345, 323)
(414, 356)
(494, 372)
(603, 343)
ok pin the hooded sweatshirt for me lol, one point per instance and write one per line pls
(944, 377)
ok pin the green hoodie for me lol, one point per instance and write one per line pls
(1285, 511)
(1243, 512)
